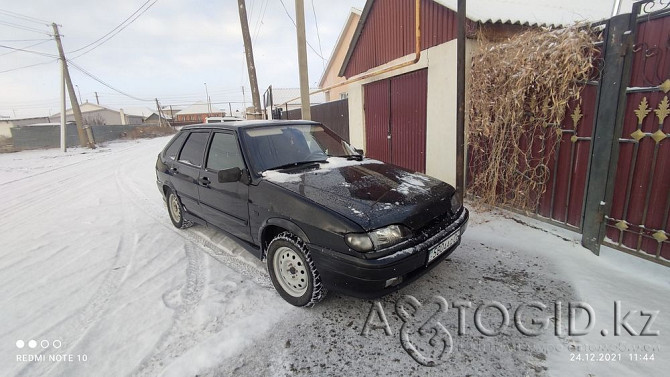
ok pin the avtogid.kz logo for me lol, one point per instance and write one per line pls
(426, 339)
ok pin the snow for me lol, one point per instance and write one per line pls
(90, 259)
(332, 163)
(279, 177)
(409, 182)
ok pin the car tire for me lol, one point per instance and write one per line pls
(176, 210)
(292, 271)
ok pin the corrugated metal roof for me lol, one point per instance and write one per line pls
(534, 12)
(554, 13)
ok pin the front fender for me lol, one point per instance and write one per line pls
(282, 223)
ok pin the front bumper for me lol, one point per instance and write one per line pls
(371, 278)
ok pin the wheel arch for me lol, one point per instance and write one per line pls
(167, 185)
(273, 227)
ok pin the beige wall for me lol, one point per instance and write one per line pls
(337, 59)
(4, 130)
(441, 106)
(6, 124)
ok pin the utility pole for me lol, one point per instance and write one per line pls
(460, 100)
(302, 59)
(158, 109)
(209, 101)
(79, 93)
(244, 103)
(85, 136)
(96, 98)
(63, 124)
(248, 50)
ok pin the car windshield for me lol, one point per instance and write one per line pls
(288, 145)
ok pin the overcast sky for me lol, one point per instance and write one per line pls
(169, 52)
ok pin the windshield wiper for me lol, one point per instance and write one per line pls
(296, 164)
(357, 157)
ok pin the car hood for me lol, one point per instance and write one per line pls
(371, 193)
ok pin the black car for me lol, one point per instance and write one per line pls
(320, 214)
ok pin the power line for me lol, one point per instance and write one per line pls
(318, 36)
(127, 22)
(24, 17)
(294, 24)
(259, 23)
(33, 45)
(82, 70)
(111, 31)
(24, 40)
(28, 66)
(22, 27)
(29, 51)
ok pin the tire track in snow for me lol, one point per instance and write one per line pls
(139, 198)
(93, 156)
(182, 334)
(73, 329)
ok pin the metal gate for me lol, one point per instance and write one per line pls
(395, 120)
(563, 200)
(610, 177)
(638, 219)
(334, 115)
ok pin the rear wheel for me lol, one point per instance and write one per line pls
(292, 271)
(176, 210)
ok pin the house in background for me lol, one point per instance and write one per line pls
(331, 76)
(407, 116)
(154, 119)
(7, 123)
(149, 116)
(93, 114)
(197, 113)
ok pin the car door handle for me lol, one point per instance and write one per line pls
(174, 169)
(205, 181)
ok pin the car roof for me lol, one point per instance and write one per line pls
(246, 124)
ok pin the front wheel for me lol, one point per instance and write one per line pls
(292, 271)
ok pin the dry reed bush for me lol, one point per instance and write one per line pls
(519, 92)
(6, 145)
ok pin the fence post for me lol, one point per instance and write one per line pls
(611, 107)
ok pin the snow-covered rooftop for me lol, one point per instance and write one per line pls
(534, 12)
(200, 107)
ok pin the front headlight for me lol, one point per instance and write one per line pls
(456, 203)
(377, 239)
(359, 242)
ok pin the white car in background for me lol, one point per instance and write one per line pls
(222, 119)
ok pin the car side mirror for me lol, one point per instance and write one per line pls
(230, 175)
(359, 151)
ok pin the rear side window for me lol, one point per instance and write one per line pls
(173, 149)
(194, 148)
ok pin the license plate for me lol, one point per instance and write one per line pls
(441, 248)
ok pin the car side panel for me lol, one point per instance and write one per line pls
(225, 204)
(320, 225)
(184, 178)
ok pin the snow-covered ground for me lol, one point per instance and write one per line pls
(92, 270)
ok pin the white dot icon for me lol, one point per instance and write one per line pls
(32, 344)
(20, 343)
